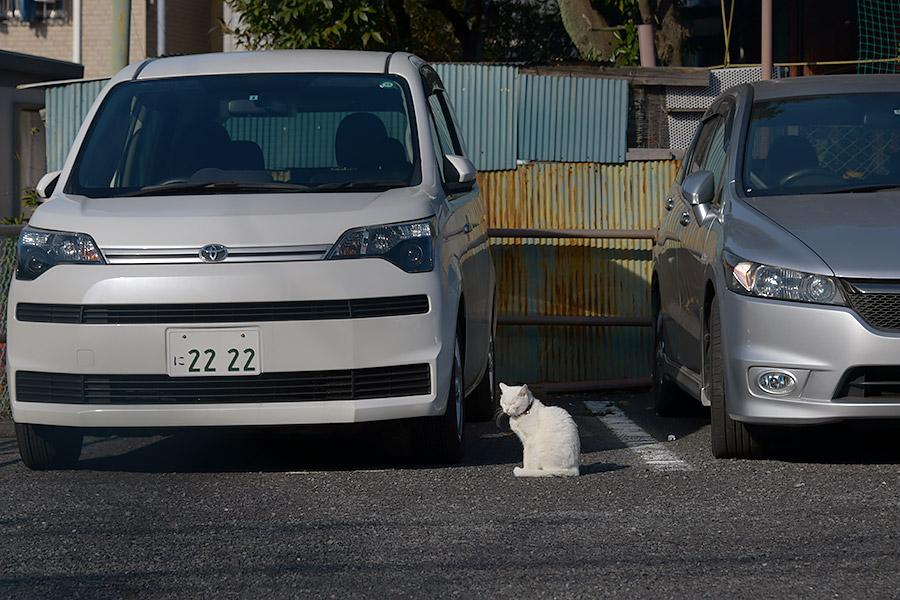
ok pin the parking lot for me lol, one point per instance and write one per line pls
(347, 514)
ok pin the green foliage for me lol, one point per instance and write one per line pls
(269, 24)
(617, 12)
(627, 49)
(30, 200)
(593, 55)
(514, 25)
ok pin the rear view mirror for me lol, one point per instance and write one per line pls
(460, 173)
(698, 190)
(258, 108)
(47, 184)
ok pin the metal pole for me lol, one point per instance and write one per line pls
(574, 321)
(121, 35)
(766, 39)
(645, 42)
(76, 31)
(160, 27)
(597, 234)
(588, 386)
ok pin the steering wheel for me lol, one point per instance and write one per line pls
(808, 172)
(173, 180)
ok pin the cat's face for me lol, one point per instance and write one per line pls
(514, 399)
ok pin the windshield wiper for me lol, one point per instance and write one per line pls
(367, 186)
(214, 187)
(874, 187)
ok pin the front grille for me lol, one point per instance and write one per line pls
(181, 255)
(870, 383)
(878, 303)
(235, 312)
(355, 384)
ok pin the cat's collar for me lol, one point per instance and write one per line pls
(526, 411)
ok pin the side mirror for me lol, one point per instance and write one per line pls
(698, 190)
(47, 184)
(460, 173)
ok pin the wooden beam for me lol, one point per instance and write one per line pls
(688, 76)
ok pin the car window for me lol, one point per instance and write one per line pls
(317, 131)
(702, 146)
(822, 144)
(714, 161)
(444, 132)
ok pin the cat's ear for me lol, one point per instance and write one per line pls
(503, 387)
(523, 390)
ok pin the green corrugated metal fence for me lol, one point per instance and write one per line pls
(572, 119)
(485, 101)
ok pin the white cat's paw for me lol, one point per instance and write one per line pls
(518, 471)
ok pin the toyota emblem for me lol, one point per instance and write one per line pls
(213, 253)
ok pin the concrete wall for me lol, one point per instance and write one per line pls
(192, 28)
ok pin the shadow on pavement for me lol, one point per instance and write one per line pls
(328, 448)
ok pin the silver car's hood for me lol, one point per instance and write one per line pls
(857, 235)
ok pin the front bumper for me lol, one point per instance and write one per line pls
(294, 347)
(817, 344)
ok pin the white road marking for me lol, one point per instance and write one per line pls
(652, 452)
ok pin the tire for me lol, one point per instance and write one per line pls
(668, 398)
(47, 447)
(483, 403)
(730, 438)
(441, 438)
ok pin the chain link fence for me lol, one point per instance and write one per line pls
(854, 151)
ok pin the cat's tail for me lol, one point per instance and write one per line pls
(522, 472)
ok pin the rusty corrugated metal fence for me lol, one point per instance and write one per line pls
(572, 276)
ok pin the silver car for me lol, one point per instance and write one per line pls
(776, 279)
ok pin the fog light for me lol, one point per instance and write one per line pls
(777, 382)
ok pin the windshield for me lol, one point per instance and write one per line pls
(250, 133)
(823, 144)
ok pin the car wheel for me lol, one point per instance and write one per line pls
(668, 398)
(441, 438)
(48, 447)
(730, 438)
(483, 403)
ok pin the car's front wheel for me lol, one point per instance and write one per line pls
(668, 398)
(483, 403)
(441, 438)
(47, 447)
(730, 438)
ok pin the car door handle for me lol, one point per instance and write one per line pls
(670, 203)
(685, 219)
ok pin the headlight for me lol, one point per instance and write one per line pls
(38, 250)
(765, 281)
(410, 246)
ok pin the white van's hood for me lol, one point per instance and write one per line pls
(235, 220)
(857, 235)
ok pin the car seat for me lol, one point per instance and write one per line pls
(362, 143)
(787, 154)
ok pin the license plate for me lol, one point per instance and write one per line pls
(213, 352)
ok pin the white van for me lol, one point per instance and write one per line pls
(256, 239)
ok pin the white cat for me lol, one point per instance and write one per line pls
(549, 435)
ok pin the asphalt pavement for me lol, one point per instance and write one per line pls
(349, 513)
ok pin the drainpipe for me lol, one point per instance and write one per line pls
(766, 39)
(121, 35)
(160, 27)
(645, 42)
(76, 31)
